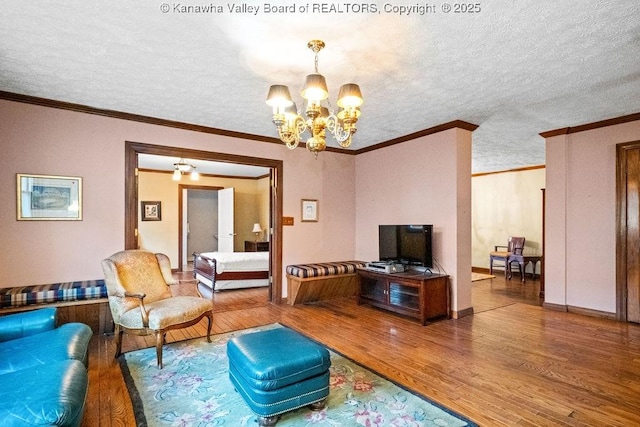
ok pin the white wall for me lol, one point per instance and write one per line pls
(580, 263)
(506, 204)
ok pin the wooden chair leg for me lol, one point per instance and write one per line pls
(209, 324)
(159, 343)
(118, 334)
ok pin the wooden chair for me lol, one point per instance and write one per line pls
(141, 301)
(515, 245)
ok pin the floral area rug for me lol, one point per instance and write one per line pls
(193, 389)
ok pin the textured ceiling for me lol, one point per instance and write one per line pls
(515, 68)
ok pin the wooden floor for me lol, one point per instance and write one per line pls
(512, 363)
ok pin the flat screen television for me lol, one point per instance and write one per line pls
(406, 244)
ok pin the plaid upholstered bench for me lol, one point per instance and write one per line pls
(75, 301)
(321, 281)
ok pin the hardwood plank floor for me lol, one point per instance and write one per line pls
(512, 363)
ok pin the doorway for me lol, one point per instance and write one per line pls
(133, 149)
(198, 227)
(628, 232)
(202, 221)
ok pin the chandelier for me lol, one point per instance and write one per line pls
(291, 125)
(182, 168)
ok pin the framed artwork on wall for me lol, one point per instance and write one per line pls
(151, 211)
(309, 210)
(48, 197)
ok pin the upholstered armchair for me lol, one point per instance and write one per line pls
(141, 301)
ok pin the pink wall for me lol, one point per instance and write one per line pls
(423, 181)
(580, 259)
(49, 141)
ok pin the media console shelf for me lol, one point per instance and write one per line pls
(411, 293)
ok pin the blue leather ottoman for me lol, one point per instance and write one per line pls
(277, 371)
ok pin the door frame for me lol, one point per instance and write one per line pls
(132, 149)
(621, 227)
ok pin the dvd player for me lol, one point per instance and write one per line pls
(385, 267)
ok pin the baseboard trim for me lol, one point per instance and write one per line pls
(462, 313)
(580, 310)
(592, 313)
(555, 307)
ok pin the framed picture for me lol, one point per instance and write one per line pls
(151, 211)
(48, 197)
(309, 210)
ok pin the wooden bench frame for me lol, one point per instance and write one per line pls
(83, 311)
(320, 288)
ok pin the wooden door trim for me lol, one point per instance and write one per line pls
(133, 149)
(544, 249)
(621, 227)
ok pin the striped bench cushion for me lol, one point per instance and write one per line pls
(305, 271)
(57, 292)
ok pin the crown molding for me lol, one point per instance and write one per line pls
(62, 105)
(430, 131)
(521, 169)
(44, 102)
(591, 126)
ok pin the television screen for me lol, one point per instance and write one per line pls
(406, 244)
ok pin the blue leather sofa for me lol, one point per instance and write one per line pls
(43, 370)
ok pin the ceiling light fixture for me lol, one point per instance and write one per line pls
(291, 125)
(183, 167)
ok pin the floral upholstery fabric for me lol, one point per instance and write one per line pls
(164, 313)
(154, 310)
(143, 272)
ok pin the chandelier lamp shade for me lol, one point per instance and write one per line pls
(318, 118)
(181, 168)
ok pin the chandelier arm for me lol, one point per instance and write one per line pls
(339, 133)
(347, 142)
(290, 135)
(300, 125)
(291, 139)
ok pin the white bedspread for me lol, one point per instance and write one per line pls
(239, 261)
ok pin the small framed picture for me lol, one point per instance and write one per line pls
(49, 197)
(151, 211)
(309, 210)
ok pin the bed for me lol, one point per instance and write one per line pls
(230, 270)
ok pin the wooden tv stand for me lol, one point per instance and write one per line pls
(410, 293)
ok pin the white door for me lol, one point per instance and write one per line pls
(226, 232)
